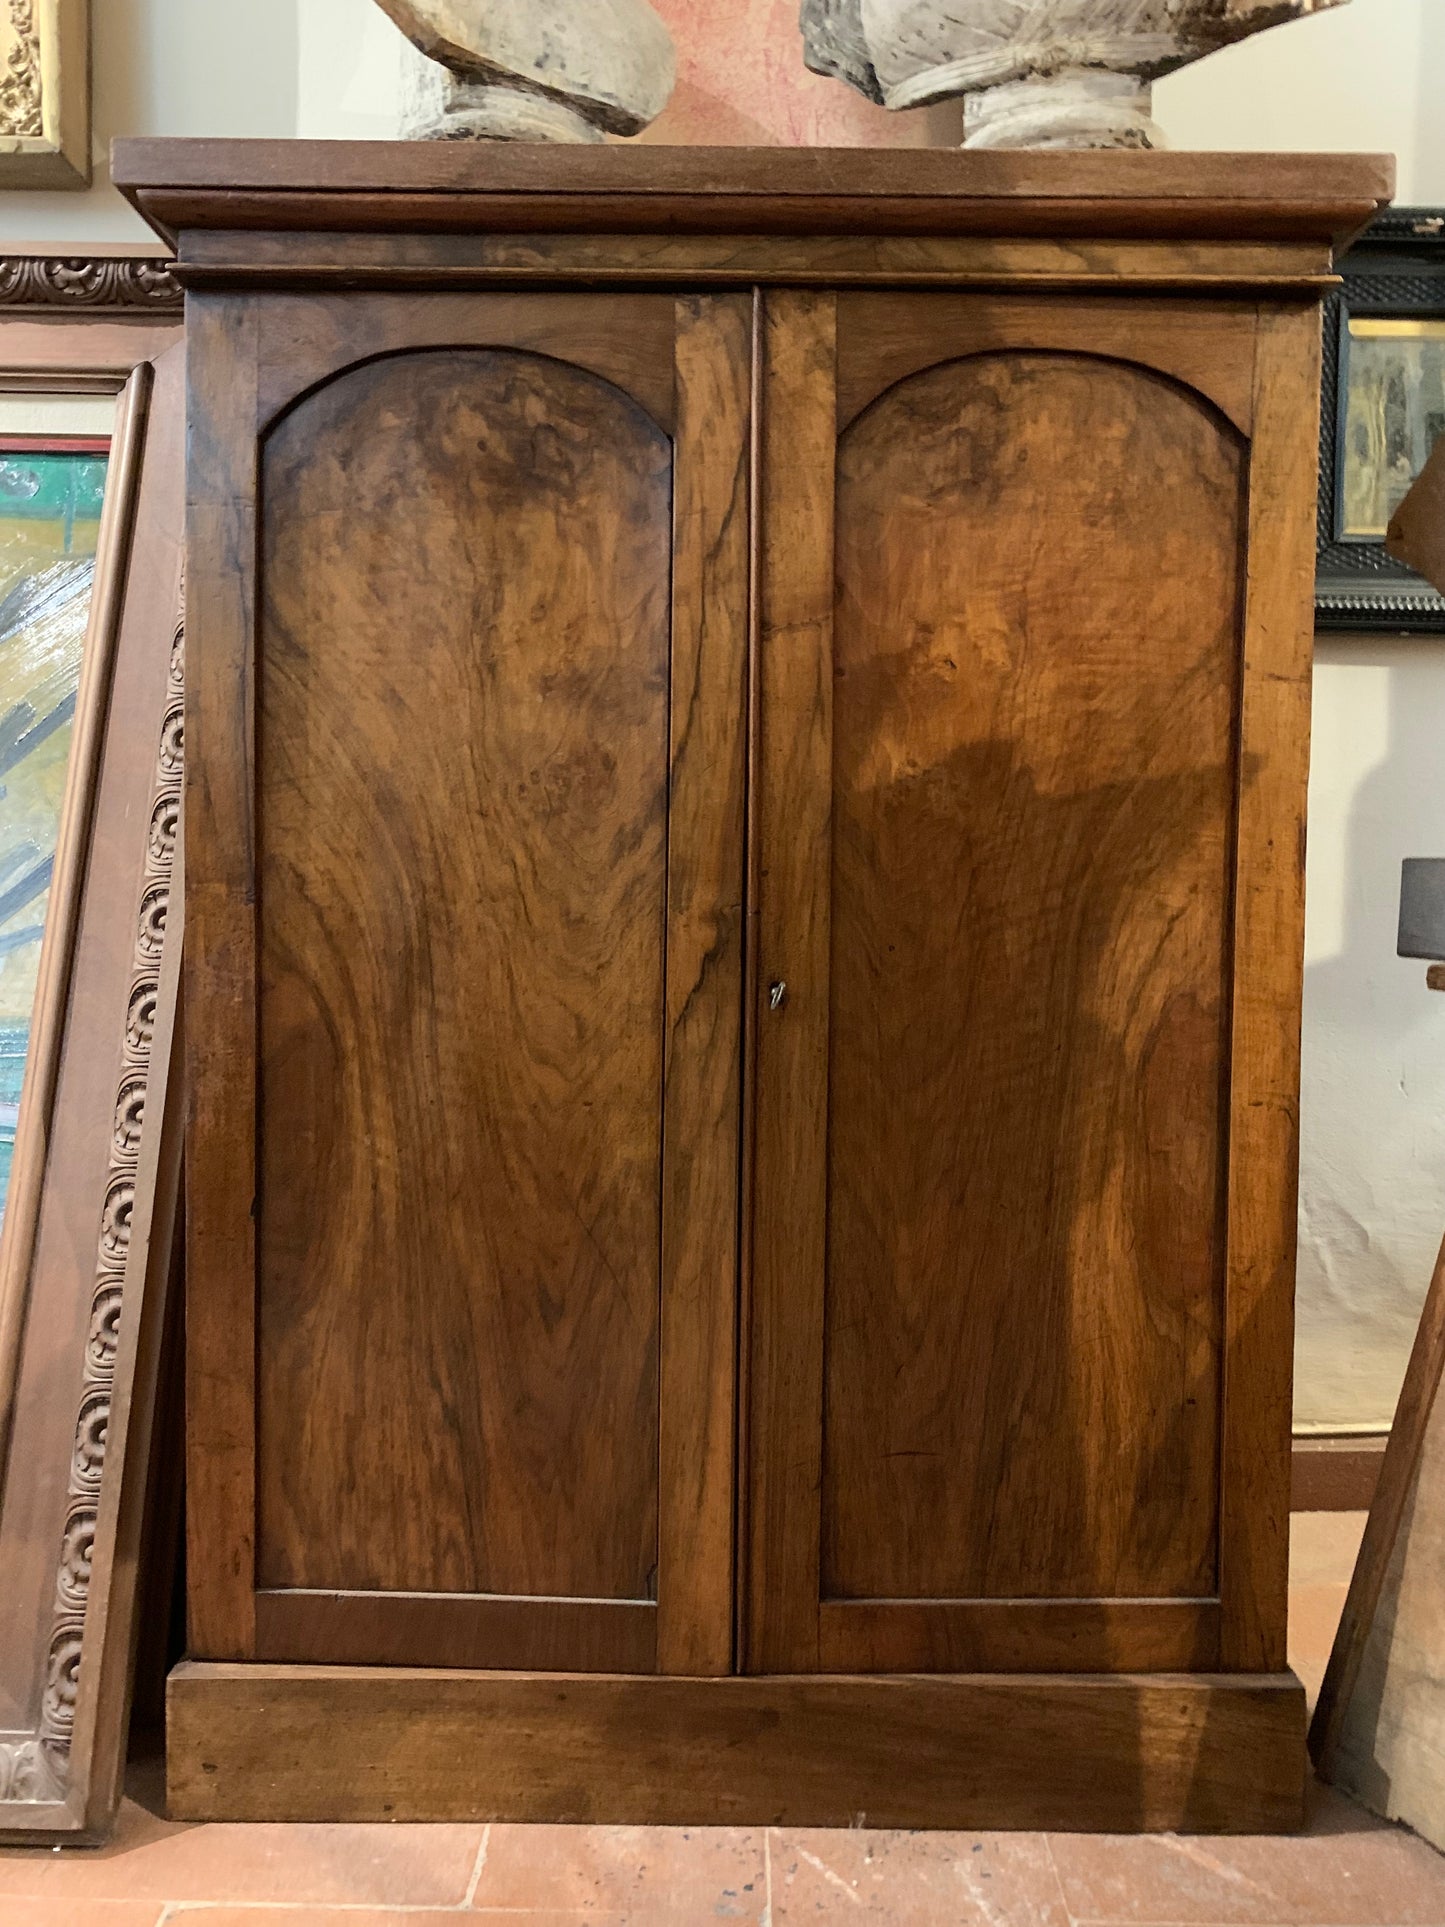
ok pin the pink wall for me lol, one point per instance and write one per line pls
(741, 82)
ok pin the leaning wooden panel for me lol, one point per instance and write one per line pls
(1201, 1754)
(1379, 1731)
(103, 1141)
(1393, 1513)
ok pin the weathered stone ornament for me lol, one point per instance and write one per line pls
(1034, 73)
(533, 70)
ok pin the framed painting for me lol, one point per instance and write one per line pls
(44, 93)
(52, 485)
(91, 436)
(1383, 412)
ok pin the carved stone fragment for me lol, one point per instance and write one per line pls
(1035, 73)
(834, 44)
(549, 70)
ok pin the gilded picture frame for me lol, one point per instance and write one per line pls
(1383, 409)
(44, 93)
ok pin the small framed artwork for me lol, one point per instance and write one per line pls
(44, 93)
(1383, 412)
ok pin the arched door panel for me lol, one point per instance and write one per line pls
(1008, 961)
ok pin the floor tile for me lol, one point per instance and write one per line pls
(1348, 1871)
(1314, 1617)
(646, 1915)
(154, 1859)
(1323, 1547)
(921, 1879)
(80, 1913)
(716, 1873)
(209, 1914)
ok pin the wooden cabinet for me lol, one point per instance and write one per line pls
(747, 748)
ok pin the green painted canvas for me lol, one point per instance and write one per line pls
(50, 506)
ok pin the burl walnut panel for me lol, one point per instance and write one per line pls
(462, 765)
(1036, 654)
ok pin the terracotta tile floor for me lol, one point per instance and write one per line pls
(1348, 1870)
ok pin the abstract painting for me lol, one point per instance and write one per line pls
(50, 501)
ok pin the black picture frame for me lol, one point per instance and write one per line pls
(1395, 270)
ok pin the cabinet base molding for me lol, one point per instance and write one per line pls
(1218, 1753)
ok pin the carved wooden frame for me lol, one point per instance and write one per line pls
(105, 283)
(45, 95)
(85, 1254)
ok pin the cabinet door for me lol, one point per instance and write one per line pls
(1025, 1078)
(469, 602)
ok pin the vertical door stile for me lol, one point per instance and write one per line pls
(790, 990)
(704, 985)
(1268, 972)
(220, 976)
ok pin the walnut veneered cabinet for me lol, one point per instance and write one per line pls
(746, 753)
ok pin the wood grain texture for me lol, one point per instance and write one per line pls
(415, 261)
(220, 977)
(752, 1002)
(789, 829)
(1020, 1635)
(1206, 345)
(703, 1065)
(1200, 1754)
(1032, 793)
(461, 834)
(1268, 983)
(459, 1629)
(304, 341)
(82, 354)
(513, 187)
(1379, 1547)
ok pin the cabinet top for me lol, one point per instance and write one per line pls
(519, 188)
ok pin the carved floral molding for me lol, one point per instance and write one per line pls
(38, 1767)
(139, 285)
